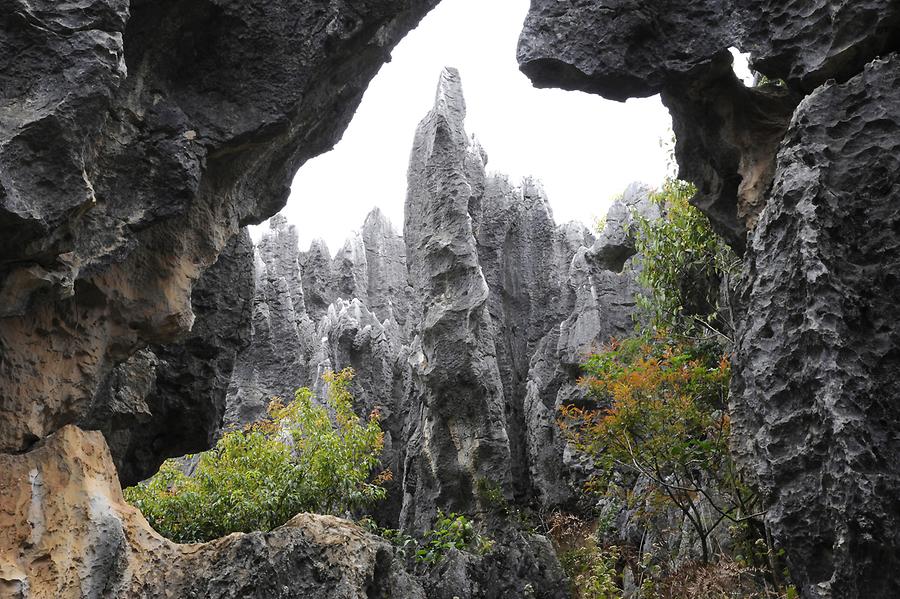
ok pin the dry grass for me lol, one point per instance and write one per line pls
(723, 580)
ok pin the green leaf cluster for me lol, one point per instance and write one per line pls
(304, 458)
(683, 265)
(450, 531)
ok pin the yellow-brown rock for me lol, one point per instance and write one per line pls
(67, 532)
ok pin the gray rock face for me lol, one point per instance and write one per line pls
(603, 287)
(815, 390)
(388, 286)
(460, 434)
(135, 138)
(634, 48)
(466, 334)
(811, 397)
(619, 48)
(169, 400)
(525, 258)
(727, 134)
(283, 335)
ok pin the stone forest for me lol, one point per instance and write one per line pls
(691, 398)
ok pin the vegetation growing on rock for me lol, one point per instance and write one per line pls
(300, 459)
(686, 267)
(656, 425)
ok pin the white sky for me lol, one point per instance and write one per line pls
(585, 149)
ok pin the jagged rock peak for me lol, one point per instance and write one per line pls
(376, 220)
(461, 435)
(616, 243)
(449, 101)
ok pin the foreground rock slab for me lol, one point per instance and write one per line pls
(67, 532)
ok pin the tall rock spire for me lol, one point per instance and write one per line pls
(461, 435)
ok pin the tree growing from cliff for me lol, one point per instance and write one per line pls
(659, 429)
(300, 459)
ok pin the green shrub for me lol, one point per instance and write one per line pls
(300, 459)
(684, 264)
(593, 571)
(451, 531)
(665, 420)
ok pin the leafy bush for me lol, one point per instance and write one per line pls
(666, 421)
(451, 531)
(301, 459)
(684, 264)
(593, 571)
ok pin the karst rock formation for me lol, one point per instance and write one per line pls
(801, 174)
(465, 332)
(138, 138)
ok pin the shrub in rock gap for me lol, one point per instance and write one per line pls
(304, 457)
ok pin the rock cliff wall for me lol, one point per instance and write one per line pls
(136, 138)
(801, 173)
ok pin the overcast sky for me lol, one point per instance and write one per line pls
(585, 149)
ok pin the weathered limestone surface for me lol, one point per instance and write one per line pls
(135, 138)
(168, 401)
(808, 171)
(67, 532)
(602, 281)
(509, 301)
(459, 434)
(727, 134)
(816, 389)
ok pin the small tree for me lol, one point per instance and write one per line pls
(300, 459)
(665, 421)
(685, 266)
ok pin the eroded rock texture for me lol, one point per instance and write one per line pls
(816, 390)
(135, 138)
(460, 434)
(808, 170)
(168, 401)
(466, 334)
(727, 135)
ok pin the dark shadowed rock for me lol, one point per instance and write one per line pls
(135, 139)
(167, 401)
(815, 372)
(808, 42)
(619, 48)
(727, 134)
